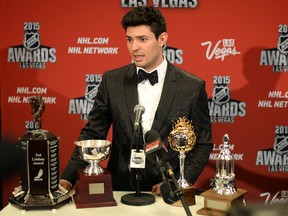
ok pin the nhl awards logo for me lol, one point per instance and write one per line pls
(276, 158)
(83, 105)
(277, 57)
(174, 55)
(222, 108)
(31, 41)
(221, 95)
(91, 92)
(283, 44)
(31, 54)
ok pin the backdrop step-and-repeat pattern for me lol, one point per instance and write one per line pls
(60, 50)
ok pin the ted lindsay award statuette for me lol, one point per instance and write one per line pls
(40, 172)
(182, 139)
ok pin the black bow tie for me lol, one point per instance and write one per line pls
(142, 75)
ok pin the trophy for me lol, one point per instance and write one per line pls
(219, 199)
(94, 186)
(224, 180)
(182, 139)
(39, 172)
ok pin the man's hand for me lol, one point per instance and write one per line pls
(156, 189)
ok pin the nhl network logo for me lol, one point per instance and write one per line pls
(222, 108)
(83, 105)
(277, 57)
(31, 54)
(276, 158)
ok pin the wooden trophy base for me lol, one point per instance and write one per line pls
(218, 205)
(189, 194)
(94, 190)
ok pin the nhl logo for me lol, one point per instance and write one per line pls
(283, 44)
(91, 92)
(281, 144)
(221, 95)
(31, 41)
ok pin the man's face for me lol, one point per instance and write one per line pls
(145, 49)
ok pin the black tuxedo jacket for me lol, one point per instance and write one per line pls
(183, 94)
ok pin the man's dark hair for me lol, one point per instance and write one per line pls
(145, 16)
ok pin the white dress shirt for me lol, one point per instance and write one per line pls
(149, 96)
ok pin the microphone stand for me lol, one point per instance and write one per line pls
(178, 191)
(138, 198)
(138, 136)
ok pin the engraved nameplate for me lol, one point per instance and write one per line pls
(96, 188)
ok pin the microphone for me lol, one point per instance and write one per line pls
(167, 191)
(139, 110)
(137, 161)
(155, 150)
(156, 153)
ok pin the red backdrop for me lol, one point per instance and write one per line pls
(239, 48)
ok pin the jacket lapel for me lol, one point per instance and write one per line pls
(166, 99)
(130, 90)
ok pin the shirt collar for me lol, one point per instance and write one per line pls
(161, 69)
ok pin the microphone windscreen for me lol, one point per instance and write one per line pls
(151, 136)
(154, 148)
(140, 108)
(167, 193)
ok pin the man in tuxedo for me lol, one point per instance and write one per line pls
(168, 95)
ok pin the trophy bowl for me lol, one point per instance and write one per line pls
(93, 152)
(179, 143)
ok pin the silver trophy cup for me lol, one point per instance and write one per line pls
(93, 152)
(94, 185)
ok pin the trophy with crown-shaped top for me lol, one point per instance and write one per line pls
(182, 139)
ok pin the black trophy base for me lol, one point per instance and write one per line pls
(138, 199)
(39, 202)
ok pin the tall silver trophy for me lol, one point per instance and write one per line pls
(224, 180)
(182, 139)
(40, 168)
(94, 185)
(223, 195)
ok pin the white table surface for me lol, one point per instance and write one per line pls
(157, 208)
